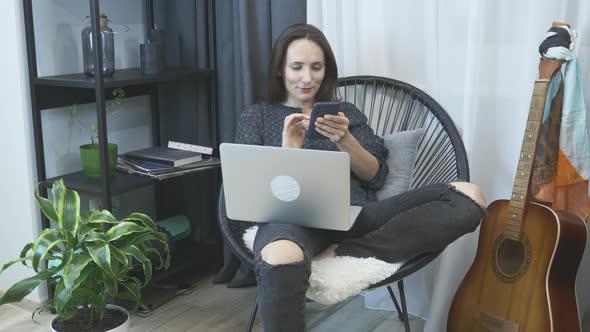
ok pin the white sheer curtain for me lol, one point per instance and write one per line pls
(479, 60)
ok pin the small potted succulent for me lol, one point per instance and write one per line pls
(91, 259)
(90, 153)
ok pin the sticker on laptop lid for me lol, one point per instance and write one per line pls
(285, 188)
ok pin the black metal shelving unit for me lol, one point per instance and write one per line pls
(56, 91)
(49, 92)
(123, 77)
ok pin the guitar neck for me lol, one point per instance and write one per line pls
(520, 190)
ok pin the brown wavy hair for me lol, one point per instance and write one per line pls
(276, 88)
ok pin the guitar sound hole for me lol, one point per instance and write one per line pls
(510, 256)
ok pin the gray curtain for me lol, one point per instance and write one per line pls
(245, 32)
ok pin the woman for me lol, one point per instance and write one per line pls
(303, 71)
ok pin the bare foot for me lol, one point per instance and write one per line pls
(327, 253)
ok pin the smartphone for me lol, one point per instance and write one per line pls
(319, 110)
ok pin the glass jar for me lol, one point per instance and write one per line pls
(108, 48)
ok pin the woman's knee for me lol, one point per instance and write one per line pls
(471, 190)
(282, 252)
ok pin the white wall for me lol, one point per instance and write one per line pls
(58, 24)
(19, 222)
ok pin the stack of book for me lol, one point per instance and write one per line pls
(162, 162)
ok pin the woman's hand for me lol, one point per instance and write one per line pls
(334, 127)
(294, 130)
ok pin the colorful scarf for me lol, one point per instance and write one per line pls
(562, 164)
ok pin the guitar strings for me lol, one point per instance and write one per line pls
(556, 38)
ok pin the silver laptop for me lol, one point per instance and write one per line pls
(297, 186)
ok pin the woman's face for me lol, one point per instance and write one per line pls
(303, 72)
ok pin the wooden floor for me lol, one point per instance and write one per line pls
(215, 308)
(212, 308)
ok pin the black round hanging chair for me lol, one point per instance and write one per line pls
(390, 106)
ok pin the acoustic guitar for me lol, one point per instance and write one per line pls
(523, 276)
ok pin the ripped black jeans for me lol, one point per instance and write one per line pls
(393, 230)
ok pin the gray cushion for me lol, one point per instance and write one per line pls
(402, 152)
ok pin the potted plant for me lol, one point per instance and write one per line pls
(91, 259)
(90, 153)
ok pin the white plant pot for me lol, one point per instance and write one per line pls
(121, 328)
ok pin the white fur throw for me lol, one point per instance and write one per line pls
(336, 279)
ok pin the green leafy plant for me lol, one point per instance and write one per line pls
(115, 105)
(90, 257)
